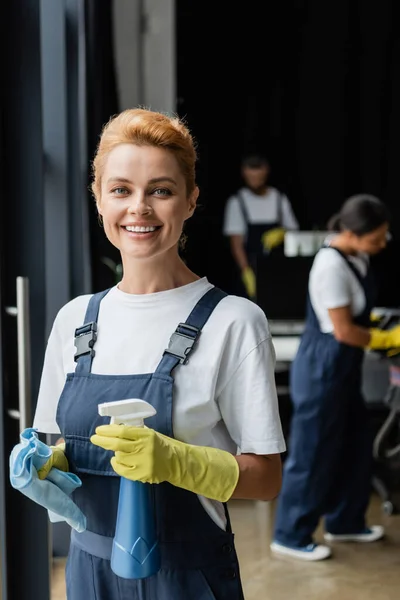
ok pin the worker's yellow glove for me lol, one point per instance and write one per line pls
(374, 318)
(143, 454)
(58, 460)
(249, 281)
(384, 340)
(272, 238)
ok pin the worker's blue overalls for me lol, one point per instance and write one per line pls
(328, 469)
(198, 558)
(253, 245)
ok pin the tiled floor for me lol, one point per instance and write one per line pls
(357, 571)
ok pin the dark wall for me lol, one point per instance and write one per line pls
(102, 104)
(316, 86)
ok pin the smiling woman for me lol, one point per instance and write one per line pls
(144, 203)
(144, 186)
(203, 359)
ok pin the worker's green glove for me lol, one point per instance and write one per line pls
(249, 281)
(384, 340)
(272, 238)
(143, 454)
(58, 460)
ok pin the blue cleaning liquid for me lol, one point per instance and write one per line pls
(135, 552)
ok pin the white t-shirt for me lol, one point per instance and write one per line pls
(259, 209)
(224, 397)
(332, 284)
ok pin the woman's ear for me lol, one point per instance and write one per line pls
(193, 200)
(99, 210)
(99, 213)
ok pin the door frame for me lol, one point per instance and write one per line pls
(42, 151)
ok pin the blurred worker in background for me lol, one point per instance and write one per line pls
(255, 219)
(328, 471)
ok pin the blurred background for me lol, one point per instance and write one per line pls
(315, 86)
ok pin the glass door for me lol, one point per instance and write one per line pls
(24, 526)
(35, 251)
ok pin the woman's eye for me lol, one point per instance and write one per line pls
(119, 191)
(161, 192)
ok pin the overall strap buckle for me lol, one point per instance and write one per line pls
(85, 338)
(182, 341)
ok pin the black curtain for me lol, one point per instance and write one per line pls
(312, 84)
(102, 103)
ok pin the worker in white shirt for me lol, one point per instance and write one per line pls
(328, 470)
(256, 218)
(202, 358)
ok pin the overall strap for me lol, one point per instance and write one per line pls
(86, 335)
(243, 208)
(368, 286)
(350, 265)
(312, 322)
(186, 334)
(280, 208)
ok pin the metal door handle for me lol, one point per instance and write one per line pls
(21, 311)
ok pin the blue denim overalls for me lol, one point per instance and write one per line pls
(198, 558)
(254, 246)
(255, 231)
(328, 469)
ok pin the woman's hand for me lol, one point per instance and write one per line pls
(143, 454)
(272, 238)
(58, 460)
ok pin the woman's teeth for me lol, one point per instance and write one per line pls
(140, 229)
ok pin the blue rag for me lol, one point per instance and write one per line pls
(54, 492)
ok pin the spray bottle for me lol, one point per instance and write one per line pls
(135, 552)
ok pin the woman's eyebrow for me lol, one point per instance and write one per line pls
(159, 179)
(154, 180)
(119, 179)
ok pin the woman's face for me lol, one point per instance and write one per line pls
(143, 200)
(373, 242)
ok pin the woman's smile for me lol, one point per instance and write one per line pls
(141, 231)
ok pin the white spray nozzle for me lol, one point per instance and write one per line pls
(132, 411)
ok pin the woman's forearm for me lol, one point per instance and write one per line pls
(260, 477)
(238, 251)
(353, 335)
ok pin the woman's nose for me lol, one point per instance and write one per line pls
(140, 205)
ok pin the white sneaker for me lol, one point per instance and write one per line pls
(370, 534)
(310, 552)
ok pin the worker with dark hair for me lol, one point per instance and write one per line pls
(256, 218)
(328, 470)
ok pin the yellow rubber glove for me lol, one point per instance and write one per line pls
(143, 454)
(393, 352)
(384, 340)
(374, 318)
(272, 238)
(58, 460)
(249, 280)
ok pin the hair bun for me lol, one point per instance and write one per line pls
(334, 223)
